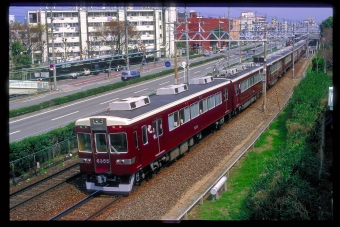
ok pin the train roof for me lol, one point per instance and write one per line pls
(158, 103)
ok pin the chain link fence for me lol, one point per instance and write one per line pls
(29, 165)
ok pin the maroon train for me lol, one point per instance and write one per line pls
(136, 136)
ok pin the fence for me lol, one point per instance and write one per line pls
(46, 158)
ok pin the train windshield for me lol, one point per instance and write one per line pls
(118, 142)
(84, 142)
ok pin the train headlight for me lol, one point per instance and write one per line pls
(84, 160)
(120, 161)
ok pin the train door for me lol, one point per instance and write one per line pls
(236, 98)
(225, 98)
(101, 153)
(100, 141)
(157, 127)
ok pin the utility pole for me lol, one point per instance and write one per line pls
(126, 40)
(240, 42)
(175, 50)
(187, 49)
(176, 71)
(264, 78)
(169, 33)
(229, 36)
(54, 67)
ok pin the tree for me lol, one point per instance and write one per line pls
(112, 34)
(19, 54)
(18, 32)
(327, 41)
(36, 42)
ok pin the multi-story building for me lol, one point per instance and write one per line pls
(72, 33)
(11, 19)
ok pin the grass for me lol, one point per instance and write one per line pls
(230, 205)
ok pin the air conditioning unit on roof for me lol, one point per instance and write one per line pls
(172, 89)
(130, 103)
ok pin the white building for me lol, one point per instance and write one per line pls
(73, 31)
(11, 19)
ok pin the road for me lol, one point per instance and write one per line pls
(46, 120)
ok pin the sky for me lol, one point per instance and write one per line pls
(292, 12)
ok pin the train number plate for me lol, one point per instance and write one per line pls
(102, 160)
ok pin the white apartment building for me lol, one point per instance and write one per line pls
(73, 31)
(11, 19)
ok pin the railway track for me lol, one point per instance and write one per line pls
(86, 208)
(36, 189)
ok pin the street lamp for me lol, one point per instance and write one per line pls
(54, 67)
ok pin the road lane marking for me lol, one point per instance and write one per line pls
(64, 115)
(107, 101)
(14, 132)
(164, 83)
(141, 90)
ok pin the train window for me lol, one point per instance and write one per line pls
(211, 102)
(184, 115)
(101, 142)
(203, 106)
(84, 142)
(154, 129)
(160, 127)
(225, 95)
(251, 81)
(236, 89)
(144, 134)
(173, 120)
(118, 142)
(135, 139)
(194, 110)
(218, 97)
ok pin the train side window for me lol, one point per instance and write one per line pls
(160, 127)
(144, 134)
(101, 142)
(211, 102)
(135, 139)
(218, 97)
(236, 89)
(203, 106)
(173, 120)
(225, 94)
(154, 129)
(194, 110)
(184, 115)
(84, 142)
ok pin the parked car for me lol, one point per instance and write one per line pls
(85, 72)
(130, 74)
(74, 75)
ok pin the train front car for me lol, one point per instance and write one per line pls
(105, 154)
